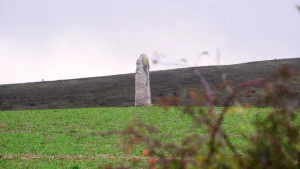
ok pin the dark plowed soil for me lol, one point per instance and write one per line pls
(118, 90)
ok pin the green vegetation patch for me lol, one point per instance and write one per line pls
(78, 138)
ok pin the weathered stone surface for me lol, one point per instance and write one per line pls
(142, 82)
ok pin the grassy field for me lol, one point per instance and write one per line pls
(69, 138)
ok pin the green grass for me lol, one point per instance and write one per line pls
(69, 138)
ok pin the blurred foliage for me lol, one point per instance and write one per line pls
(274, 144)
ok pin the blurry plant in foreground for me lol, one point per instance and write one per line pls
(275, 144)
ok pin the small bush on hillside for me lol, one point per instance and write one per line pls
(274, 144)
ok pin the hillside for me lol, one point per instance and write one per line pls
(118, 90)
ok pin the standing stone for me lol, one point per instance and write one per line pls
(142, 82)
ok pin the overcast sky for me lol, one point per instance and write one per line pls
(64, 39)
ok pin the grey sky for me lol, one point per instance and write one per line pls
(63, 39)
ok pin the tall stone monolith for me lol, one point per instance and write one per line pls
(142, 82)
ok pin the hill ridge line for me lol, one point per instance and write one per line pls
(118, 90)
